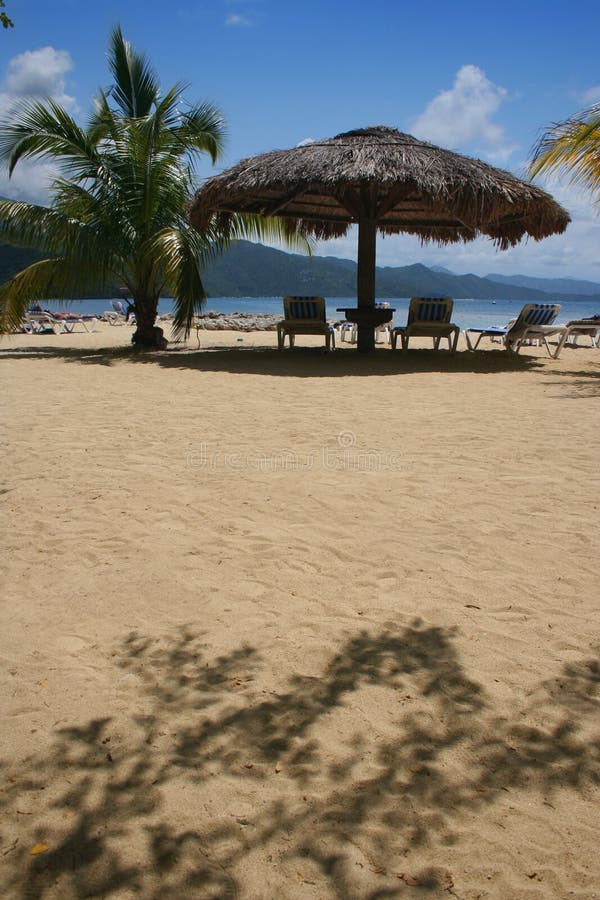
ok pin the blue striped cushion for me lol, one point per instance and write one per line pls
(540, 314)
(306, 308)
(430, 311)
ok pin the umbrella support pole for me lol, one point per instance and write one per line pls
(365, 338)
(365, 281)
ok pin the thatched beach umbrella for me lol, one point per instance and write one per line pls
(384, 181)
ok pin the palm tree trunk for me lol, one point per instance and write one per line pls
(147, 334)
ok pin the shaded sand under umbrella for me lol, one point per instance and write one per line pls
(384, 181)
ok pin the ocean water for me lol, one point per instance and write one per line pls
(467, 313)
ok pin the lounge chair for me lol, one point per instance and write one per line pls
(36, 322)
(70, 321)
(304, 315)
(383, 332)
(119, 307)
(350, 329)
(113, 318)
(495, 333)
(589, 327)
(534, 323)
(44, 322)
(428, 317)
(121, 313)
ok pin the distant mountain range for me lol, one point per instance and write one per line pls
(550, 285)
(13, 259)
(253, 270)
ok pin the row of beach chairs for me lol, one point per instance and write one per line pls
(45, 322)
(431, 317)
(427, 317)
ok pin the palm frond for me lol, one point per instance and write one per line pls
(167, 113)
(571, 148)
(53, 232)
(36, 129)
(136, 88)
(275, 228)
(202, 128)
(27, 225)
(42, 280)
(151, 184)
(104, 123)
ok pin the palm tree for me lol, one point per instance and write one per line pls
(118, 208)
(573, 148)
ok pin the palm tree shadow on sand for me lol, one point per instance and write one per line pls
(337, 816)
(299, 363)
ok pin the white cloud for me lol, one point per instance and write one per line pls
(591, 96)
(236, 20)
(38, 74)
(463, 116)
(305, 142)
(29, 182)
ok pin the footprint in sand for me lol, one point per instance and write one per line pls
(72, 644)
(250, 589)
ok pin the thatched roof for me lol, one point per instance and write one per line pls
(405, 184)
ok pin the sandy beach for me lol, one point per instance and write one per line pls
(296, 625)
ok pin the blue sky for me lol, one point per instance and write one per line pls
(481, 78)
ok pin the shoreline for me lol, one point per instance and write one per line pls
(251, 330)
(467, 313)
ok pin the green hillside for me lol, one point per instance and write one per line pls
(13, 259)
(253, 270)
(550, 285)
